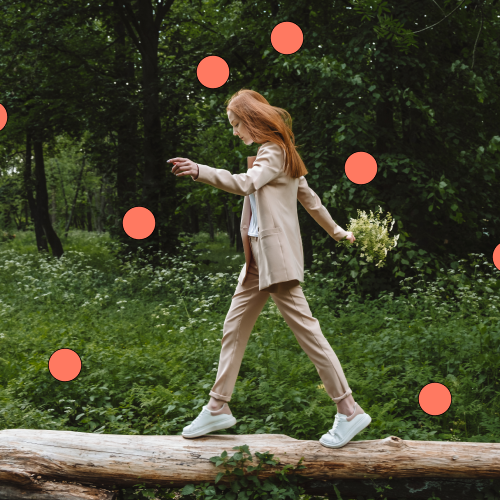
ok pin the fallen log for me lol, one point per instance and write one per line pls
(49, 490)
(108, 461)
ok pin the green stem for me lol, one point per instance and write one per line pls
(185, 307)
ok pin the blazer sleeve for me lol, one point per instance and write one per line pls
(267, 166)
(312, 203)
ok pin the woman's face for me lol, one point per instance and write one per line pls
(239, 129)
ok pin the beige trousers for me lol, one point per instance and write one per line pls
(248, 302)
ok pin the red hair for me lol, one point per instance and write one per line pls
(268, 123)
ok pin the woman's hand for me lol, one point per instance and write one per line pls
(184, 166)
(350, 237)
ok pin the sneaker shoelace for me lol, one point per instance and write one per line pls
(197, 418)
(335, 424)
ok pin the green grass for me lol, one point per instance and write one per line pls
(149, 342)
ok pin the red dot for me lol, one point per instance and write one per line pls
(213, 72)
(3, 117)
(138, 223)
(287, 38)
(361, 168)
(434, 399)
(65, 365)
(496, 257)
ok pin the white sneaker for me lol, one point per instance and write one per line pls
(345, 428)
(208, 421)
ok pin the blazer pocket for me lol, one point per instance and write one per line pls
(270, 237)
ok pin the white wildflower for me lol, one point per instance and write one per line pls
(373, 236)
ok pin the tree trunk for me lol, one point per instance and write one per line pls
(384, 110)
(128, 146)
(41, 241)
(89, 211)
(76, 197)
(306, 233)
(416, 468)
(26, 222)
(239, 241)
(195, 224)
(53, 213)
(80, 221)
(142, 22)
(42, 200)
(49, 490)
(63, 192)
(99, 206)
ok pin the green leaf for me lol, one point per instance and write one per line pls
(430, 208)
(349, 104)
(488, 289)
(265, 53)
(188, 489)
(372, 88)
(404, 261)
(454, 207)
(80, 416)
(442, 184)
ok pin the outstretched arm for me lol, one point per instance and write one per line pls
(312, 203)
(267, 166)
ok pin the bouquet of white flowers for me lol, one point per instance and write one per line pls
(373, 236)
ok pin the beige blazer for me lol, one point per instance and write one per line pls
(276, 194)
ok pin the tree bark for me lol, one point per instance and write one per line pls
(42, 200)
(41, 241)
(50, 490)
(416, 468)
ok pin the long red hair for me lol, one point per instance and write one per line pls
(268, 123)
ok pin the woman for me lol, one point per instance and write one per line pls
(274, 263)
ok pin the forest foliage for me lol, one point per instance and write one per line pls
(105, 103)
